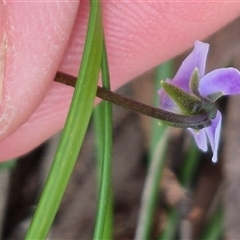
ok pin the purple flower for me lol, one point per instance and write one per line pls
(222, 81)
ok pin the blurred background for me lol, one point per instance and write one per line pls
(206, 206)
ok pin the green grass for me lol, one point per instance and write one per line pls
(74, 130)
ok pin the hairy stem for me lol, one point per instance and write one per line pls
(198, 121)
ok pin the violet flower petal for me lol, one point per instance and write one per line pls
(213, 134)
(197, 58)
(200, 138)
(225, 80)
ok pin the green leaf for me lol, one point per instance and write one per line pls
(103, 126)
(74, 130)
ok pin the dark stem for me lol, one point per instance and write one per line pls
(196, 121)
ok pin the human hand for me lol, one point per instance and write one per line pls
(35, 44)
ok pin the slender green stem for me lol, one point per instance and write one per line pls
(172, 225)
(103, 122)
(188, 170)
(157, 135)
(151, 187)
(74, 130)
(198, 121)
(215, 227)
(163, 71)
(104, 219)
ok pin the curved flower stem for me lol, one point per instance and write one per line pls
(198, 121)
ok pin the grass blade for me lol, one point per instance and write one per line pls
(151, 189)
(103, 126)
(74, 130)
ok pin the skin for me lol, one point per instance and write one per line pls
(39, 38)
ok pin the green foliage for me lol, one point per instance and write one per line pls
(104, 138)
(74, 130)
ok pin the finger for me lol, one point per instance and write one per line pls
(33, 37)
(139, 36)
